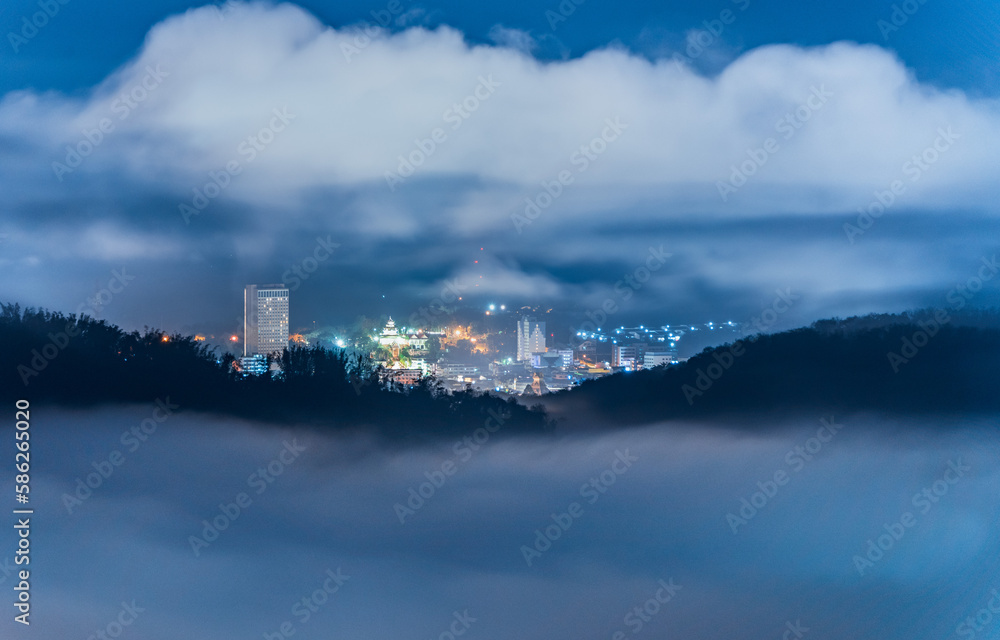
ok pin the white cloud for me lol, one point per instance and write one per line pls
(357, 101)
(518, 39)
(492, 278)
(354, 118)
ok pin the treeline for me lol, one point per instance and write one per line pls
(78, 361)
(927, 362)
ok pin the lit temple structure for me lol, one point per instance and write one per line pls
(409, 352)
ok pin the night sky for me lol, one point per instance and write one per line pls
(188, 151)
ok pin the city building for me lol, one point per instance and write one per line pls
(530, 338)
(458, 371)
(265, 319)
(565, 358)
(552, 359)
(594, 351)
(628, 356)
(255, 365)
(656, 358)
(406, 377)
(561, 380)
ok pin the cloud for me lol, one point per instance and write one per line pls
(509, 280)
(518, 39)
(222, 80)
(664, 517)
(227, 140)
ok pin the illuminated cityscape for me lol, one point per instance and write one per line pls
(495, 350)
(561, 320)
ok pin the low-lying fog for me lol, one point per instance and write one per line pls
(677, 531)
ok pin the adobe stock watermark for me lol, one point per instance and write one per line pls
(794, 630)
(261, 480)
(40, 358)
(131, 439)
(624, 289)
(700, 40)
(581, 160)
(455, 115)
(300, 271)
(365, 32)
(7, 570)
(795, 461)
(958, 297)
(359, 383)
(122, 106)
(901, 14)
(126, 617)
(248, 149)
(436, 309)
(979, 621)
(924, 501)
(787, 126)
(562, 12)
(38, 21)
(642, 614)
(913, 170)
(463, 451)
(764, 322)
(116, 284)
(592, 491)
(459, 625)
(309, 605)
(724, 359)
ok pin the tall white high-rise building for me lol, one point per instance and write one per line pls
(530, 338)
(265, 319)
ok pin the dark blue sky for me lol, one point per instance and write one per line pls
(949, 44)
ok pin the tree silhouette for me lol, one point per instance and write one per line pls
(80, 361)
(834, 365)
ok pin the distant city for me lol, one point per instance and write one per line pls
(510, 351)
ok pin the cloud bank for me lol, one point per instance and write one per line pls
(232, 139)
(664, 504)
